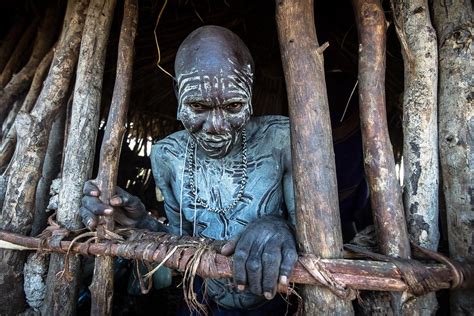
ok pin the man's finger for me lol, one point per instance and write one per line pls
(240, 257)
(91, 189)
(289, 258)
(229, 247)
(95, 206)
(88, 218)
(254, 267)
(271, 259)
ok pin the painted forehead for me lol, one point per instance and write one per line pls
(232, 84)
(212, 63)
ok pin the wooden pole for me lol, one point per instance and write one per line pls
(15, 58)
(102, 283)
(11, 39)
(20, 82)
(33, 131)
(80, 148)
(317, 209)
(178, 252)
(386, 202)
(8, 144)
(455, 28)
(420, 129)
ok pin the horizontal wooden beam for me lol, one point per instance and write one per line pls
(176, 252)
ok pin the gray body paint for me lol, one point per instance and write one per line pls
(269, 190)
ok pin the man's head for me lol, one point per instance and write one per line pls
(214, 72)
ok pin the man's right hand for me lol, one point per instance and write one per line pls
(126, 209)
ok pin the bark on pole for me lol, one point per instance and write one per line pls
(158, 248)
(319, 227)
(20, 82)
(379, 163)
(102, 283)
(33, 132)
(454, 25)
(79, 151)
(8, 144)
(420, 127)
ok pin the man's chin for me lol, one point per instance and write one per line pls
(216, 150)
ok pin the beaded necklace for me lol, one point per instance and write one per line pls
(237, 197)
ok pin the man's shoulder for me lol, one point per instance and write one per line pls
(270, 123)
(172, 145)
(272, 127)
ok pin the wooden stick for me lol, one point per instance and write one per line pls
(20, 82)
(80, 148)
(454, 24)
(18, 52)
(11, 39)
(387, 207)
(9, 133)
(102, 283)
(33, 131)
(356, 274)
(420, 129)
(317, 210)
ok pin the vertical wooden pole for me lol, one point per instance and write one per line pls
(455, 28)
(379, 163)
(102, 283)
(317, 215)
(11, 39)
(33, 131)
(79, 151)
(420, 128)
(20, 81)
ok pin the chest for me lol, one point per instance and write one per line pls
(221, 196)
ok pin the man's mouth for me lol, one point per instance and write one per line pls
(213, 142)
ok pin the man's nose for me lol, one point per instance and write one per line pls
(216, 123)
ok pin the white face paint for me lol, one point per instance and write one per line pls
(215, 105)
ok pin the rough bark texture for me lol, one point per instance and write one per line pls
(18, 53)
(102, 283)
(79, 151)
(51, 169)
(420, 128)
(155, 247)
(10, 119)
(10, 40)
(33, 132)
(454, 25)
(317, 215)
(9, 134)
(44, 40)
(386, 201)
(36, 269)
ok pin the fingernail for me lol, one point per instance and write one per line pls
(268, 295)
(284, 280)
(108, 211)
(240, 287)
(116, 200)
(94, 193)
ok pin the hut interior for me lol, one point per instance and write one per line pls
(152, 109)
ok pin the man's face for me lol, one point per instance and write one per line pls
(215, 105)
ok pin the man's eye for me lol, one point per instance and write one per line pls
(197, 106)
(234, 106)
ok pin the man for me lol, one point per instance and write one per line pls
(227, 176)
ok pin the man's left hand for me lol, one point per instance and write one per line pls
(264, 255)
